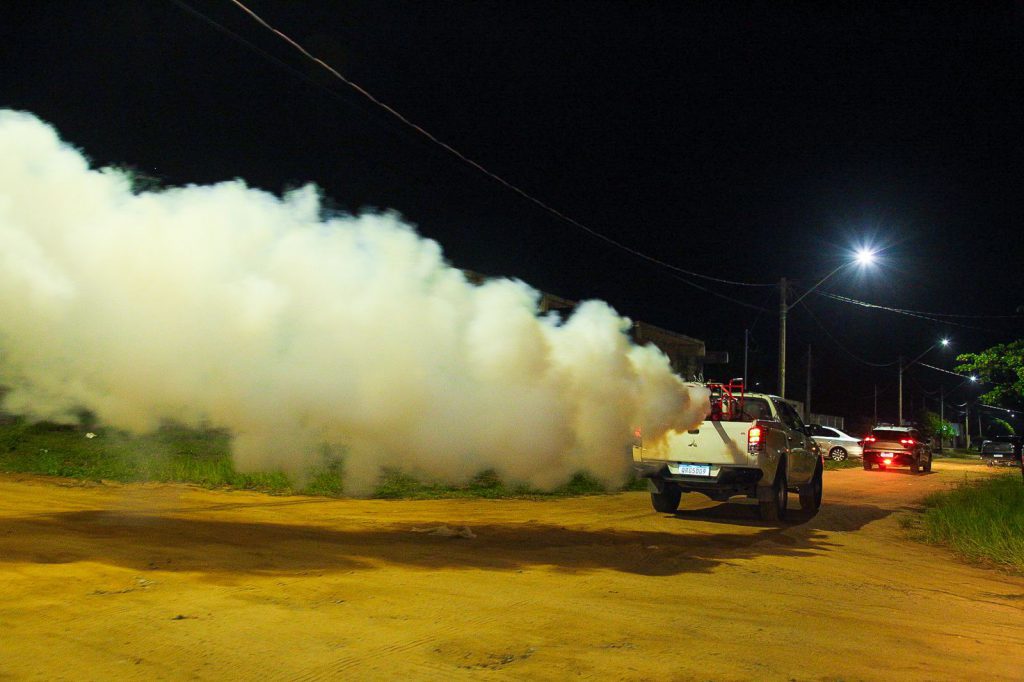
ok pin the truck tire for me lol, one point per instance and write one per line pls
(810, 494)
(867, 466)
(928, 465)
(838, 454)
(915, 465)
(668, 501)
(774, 510)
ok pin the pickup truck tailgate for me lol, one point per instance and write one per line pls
(713, 442)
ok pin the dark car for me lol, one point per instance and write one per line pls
(896, 446)
(1001, 450)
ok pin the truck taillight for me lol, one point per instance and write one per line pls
(907, 441)
(869, 439)
(637, 432)
(755, 439)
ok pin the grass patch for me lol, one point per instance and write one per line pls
(397, 484)
(956, 453)
(832, 465)
(170, 454)
(178, 454)
(981, 520)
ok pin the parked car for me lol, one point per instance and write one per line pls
(1001, 450)
(889, 446)
(835, 444)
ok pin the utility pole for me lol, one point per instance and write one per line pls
(942, 413)
(782, 338)
(875, 422)
(807, 403)
(899, 412)
(967, 425)
(746, 344)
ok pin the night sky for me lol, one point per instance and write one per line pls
(743, 141)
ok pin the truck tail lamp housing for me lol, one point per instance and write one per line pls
(908, 442)
(755, 439)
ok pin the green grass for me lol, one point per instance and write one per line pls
(832, 465)
(203, 456)
(956, 453)
(981, 520)
(400, 485)
(172, 453)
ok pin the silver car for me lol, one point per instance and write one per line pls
(835, 444)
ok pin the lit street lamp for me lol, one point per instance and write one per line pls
(863, 257)
(943, 343)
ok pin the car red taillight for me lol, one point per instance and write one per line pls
(869, 439)
(908, 442)
(755, 439)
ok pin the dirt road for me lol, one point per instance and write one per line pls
(174, 582)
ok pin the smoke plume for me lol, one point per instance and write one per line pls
(227, 306)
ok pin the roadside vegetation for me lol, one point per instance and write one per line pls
(203, 456)
(982, 520)
(848, 463)
(956, 453)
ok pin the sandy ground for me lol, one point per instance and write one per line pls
(174, 582)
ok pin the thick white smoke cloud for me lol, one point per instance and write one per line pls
(229, 306)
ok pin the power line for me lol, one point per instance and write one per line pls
(901, 311)
(993, 407)
(841, 346)
(497, 178)
(715, 293)
(939, 369)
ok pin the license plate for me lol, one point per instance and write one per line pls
(997, 455)
(691, 469)
(886, 454)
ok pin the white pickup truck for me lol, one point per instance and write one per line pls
(753, 444)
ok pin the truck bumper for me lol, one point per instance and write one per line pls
(731, 480)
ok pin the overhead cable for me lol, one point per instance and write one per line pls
(841, 346)
(715, 293)
(901, 311)
(939, 369)
(993, 407)
(494, 176)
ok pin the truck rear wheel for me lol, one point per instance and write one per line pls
(914, 465)
(668, 500)
(810, 494)
(774, 509)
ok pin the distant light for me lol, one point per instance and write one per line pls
(945, 342)
(974, 378)
(865, 256)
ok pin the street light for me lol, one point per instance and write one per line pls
(944, 343)
(864, 256)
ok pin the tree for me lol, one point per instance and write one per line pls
(934, 426)
(1001, 424)
(1002, 367)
